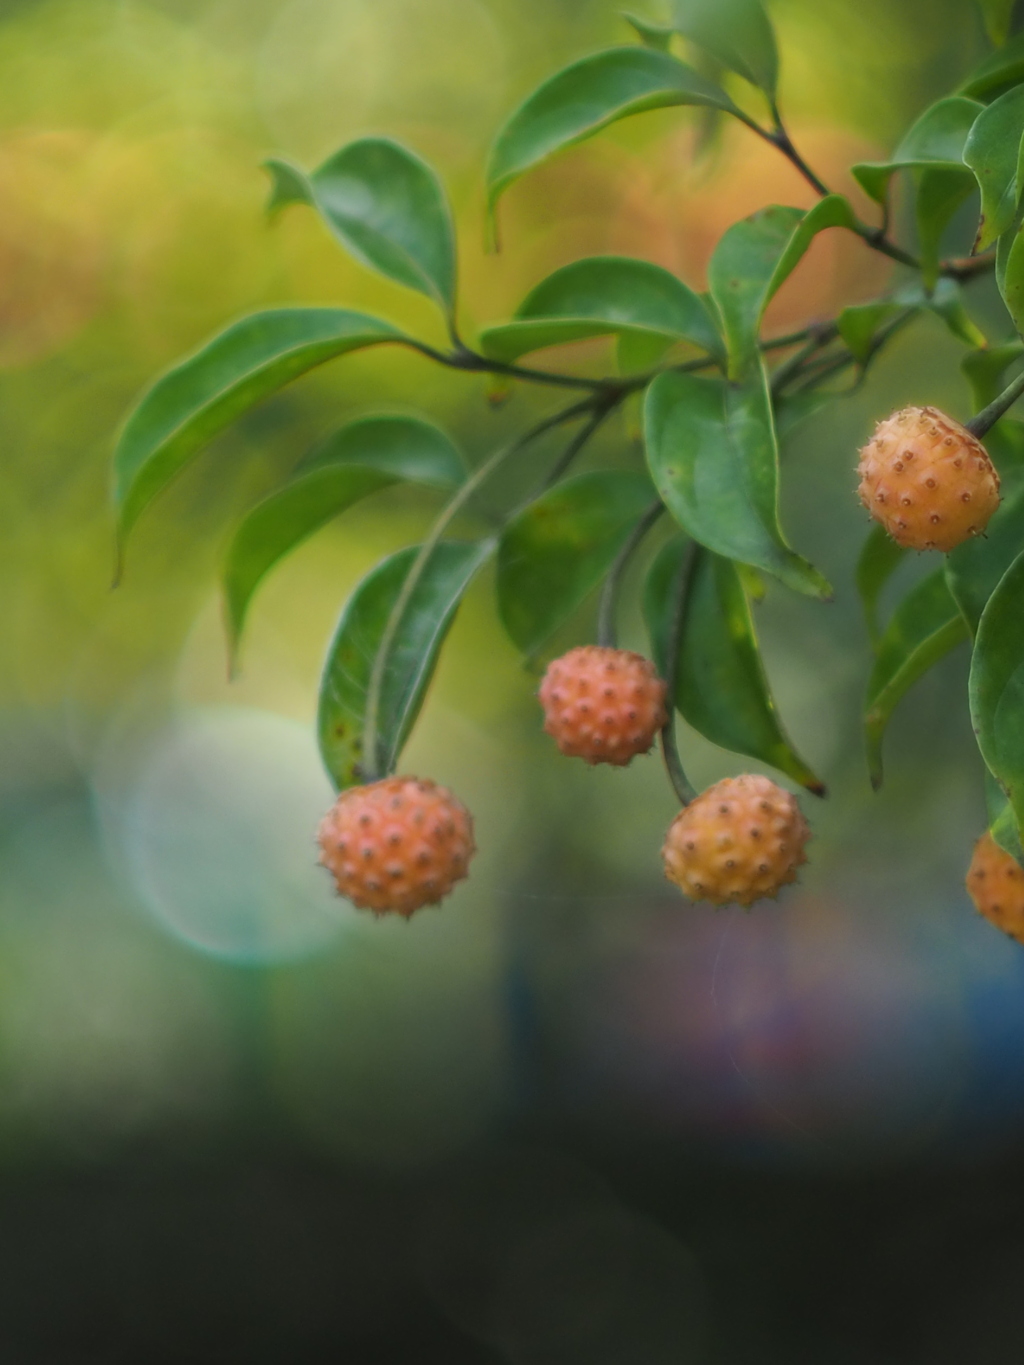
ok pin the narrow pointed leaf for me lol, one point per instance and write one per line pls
(879, 559)
(386, 206)
(721, 686)
(586, 97)
(997, 685)
(360, 459)
(556, 551)
(997, 15)
(190, 404)
(997, 72)
(411, 660)
(604, 296)
(936, 140)
(712, 453)
(752, 261)
(923, 629)
(992, 151)
(736, 32)
(658, 36)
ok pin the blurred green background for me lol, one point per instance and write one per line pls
(568, 1117)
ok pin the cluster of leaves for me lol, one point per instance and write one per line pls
(714, 390)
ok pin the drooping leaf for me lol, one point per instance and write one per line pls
(191, 403)
(360, 459)
(997, 685)
(940, 192)
(879, 559)
(736, 32)
(658, 36)
(975, 568)
(1002, 822)
(985, 369)
(993, 150)
(712, 453)
(922, 630)
(997, 72)
(386, 206)
(555, 551)
(411, 659)
(583, 98)
(860, 322)
(721, 686)
(998, 15)
(602, 296)
(754, 258)
(935, 141)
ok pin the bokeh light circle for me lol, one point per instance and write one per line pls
(218, 836)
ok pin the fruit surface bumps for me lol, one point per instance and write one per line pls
(995, 883)
(740, 840)
(927, 480)
(396, 845)
(605, 705)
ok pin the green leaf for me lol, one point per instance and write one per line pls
(752, 261)
(936, 140)
(974, 569)
(940, 192)
(923, 629)
(985, 369)
(557, 550)
(657, 36)
(737, 33)
(602, 296)
(998, 15)
(1010, 269)
(997, 685)
(721, 686)
(190, 404)
(586, 97)
(859, 323)
(1002, 823)
(997, 72)
(993, 152)
(387, 207)
(360, 459)
(713, 456)
(879, 559)
(411, 659)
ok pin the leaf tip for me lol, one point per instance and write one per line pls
(816, 787)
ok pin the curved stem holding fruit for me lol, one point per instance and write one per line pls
(988, 417)
(608, 606)
(669, 745)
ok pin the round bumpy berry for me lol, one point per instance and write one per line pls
(995, 883)
(740, 840)
(927, 480)
(396, 845)
(601, 704)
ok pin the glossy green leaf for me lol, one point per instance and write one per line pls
(386, 206)
(360, 459)
(922, 630)
(752, 261)
(936, 140)
(1002, 822)
(974, 569)
(940, 192)
(997, 15)
(986, 368)
(587, 96)
(658, 36)
(946, 302)
(712, 453)
(997, 685)
(411, 659)
(1010, 269)
(555, 551)
(602, 296)
(998, 72)
(190, 404)
(879, 559)
(721, 686)
(993, 152)
(736, 32)
(859, 322)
